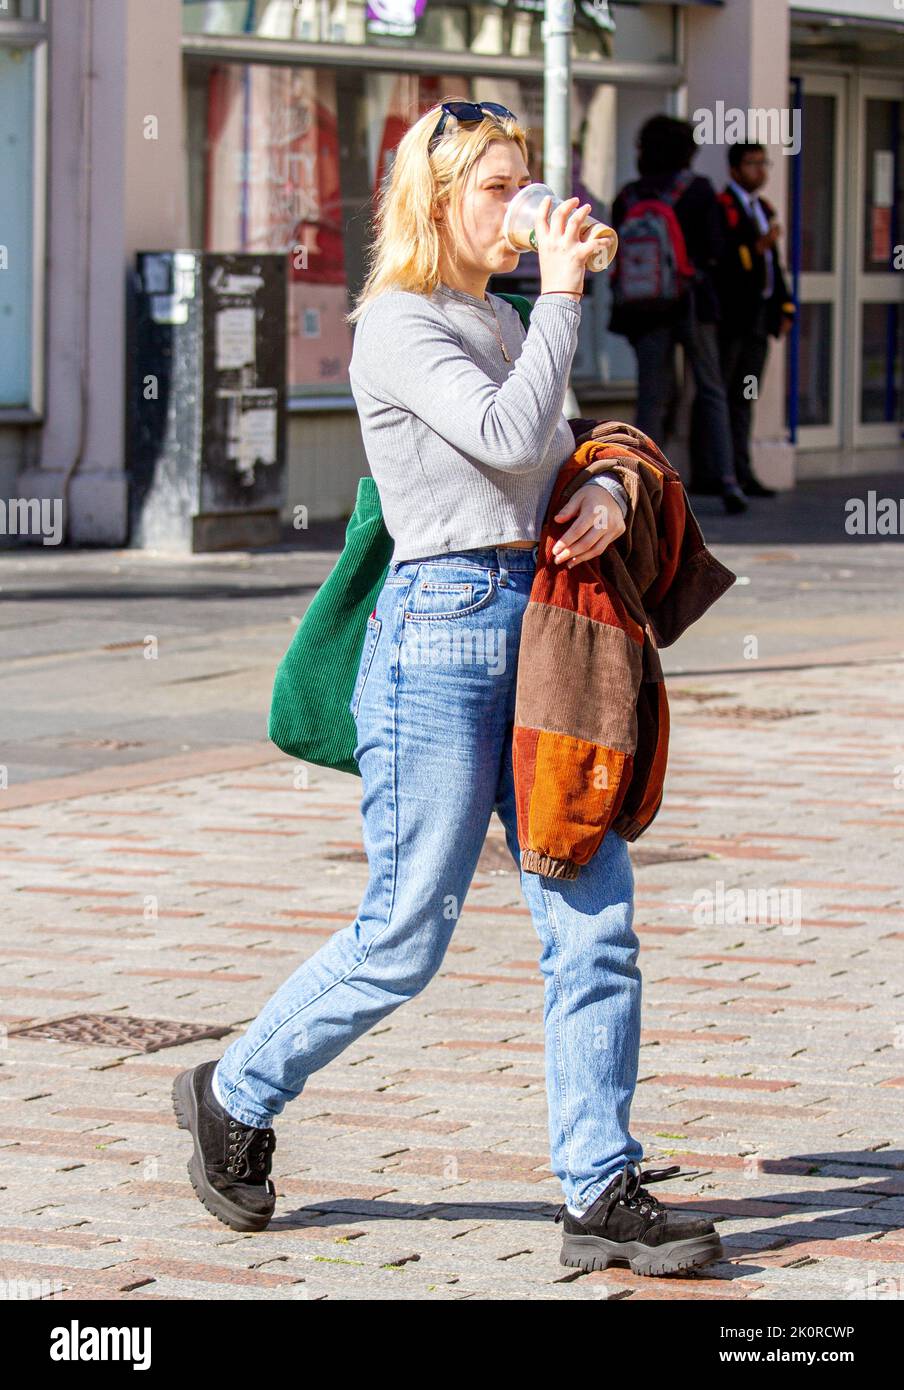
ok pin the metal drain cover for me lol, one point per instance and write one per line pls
(119, 1030)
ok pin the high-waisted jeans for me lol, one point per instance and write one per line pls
(433, 704)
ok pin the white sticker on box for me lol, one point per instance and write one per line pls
(235, 338)
(257, 436)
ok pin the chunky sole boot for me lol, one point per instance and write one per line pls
(627, 1225)
(225, 1152)
(734, 501)
(595, 1252)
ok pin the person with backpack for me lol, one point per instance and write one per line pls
(671, 243)
(462, 422)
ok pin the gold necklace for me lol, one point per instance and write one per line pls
(487, 300)
(498, 330)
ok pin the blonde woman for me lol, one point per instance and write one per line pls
(462, 421)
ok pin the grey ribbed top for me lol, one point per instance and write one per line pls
(464, 447)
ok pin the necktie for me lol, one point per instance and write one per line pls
(759, 213)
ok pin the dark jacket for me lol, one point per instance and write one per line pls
(701, 221)
(741, 278)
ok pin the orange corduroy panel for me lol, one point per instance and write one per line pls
(524, 758)
(574, 792)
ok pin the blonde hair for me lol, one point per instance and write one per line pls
(405, 252)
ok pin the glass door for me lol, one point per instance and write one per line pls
(815, 372)
(878, 279)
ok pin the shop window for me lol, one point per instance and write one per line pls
(21, 9)
(883, 213)
(20, 218)
(603, 29)
(817, 223)
(292, 158)
(815, 364)
(270, 145)
(882, 391)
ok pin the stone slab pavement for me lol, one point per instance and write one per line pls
(160, 860)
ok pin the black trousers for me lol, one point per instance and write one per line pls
(743, 357)
(656, 391)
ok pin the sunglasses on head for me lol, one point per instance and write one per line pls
(467, 111)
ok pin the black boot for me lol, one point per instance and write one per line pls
(230, 1166)
(626, 1223)
(752, 487)
(733, 500)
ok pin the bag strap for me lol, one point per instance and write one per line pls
(679, 187)
(669, 196)
(523, 306)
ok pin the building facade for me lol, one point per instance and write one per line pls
(267, 125)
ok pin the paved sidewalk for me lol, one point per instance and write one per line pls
(184, 874)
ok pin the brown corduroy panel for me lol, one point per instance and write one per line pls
(555, 690)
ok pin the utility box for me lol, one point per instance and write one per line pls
(207, 398)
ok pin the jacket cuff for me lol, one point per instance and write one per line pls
(535, 861)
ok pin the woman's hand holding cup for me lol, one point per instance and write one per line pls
(563, 256)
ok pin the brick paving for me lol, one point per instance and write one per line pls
(415, 1166)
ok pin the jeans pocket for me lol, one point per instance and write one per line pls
(443, 593)
(371, 637)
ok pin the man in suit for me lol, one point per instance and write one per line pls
(754, 295)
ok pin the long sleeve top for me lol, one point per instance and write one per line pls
(464, 447)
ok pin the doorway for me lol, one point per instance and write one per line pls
(845, 374)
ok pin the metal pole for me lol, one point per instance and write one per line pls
(558, 26)
(793, 382)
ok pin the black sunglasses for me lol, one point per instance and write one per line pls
(467, 111)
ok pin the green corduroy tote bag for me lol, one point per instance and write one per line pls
(310, 715)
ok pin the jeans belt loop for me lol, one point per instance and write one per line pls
(503, 572)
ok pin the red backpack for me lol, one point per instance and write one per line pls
(652, 269)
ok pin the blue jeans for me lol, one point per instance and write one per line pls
(433, 704)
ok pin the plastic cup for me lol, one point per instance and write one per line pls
(521, 218)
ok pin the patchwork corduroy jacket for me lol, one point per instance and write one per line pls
(590, 738)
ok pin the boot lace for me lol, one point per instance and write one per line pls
(631, 1192)
(249, 1150)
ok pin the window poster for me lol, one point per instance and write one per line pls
(273, 185)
